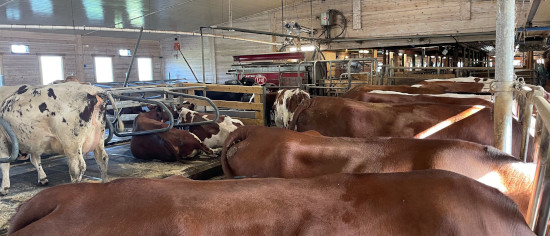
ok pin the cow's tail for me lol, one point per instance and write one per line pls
(234, 137)
(303, 106)
(115, 111)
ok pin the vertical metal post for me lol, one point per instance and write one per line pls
(133, 57)
(202, 57)
(526, 119)
(504, 75)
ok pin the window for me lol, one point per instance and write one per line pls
(19, 49)
(124, 52)
(103, 69)
(145, 69)
(51, 68)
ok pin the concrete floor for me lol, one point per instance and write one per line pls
(121, 164)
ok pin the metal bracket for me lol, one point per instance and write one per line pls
(14, 142)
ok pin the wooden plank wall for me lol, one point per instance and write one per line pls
(76, 51)
(257, 105)
(176, 68)
(218, 52)
(390, 18)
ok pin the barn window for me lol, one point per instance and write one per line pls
(145, 69)
(103, 69)
(19, 49)
(51, 68)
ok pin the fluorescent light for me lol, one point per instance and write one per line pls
(309, 48)
(363, 51)
(400, 54)
(20, 49)
(124, 52)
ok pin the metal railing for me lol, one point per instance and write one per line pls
(530, 97)
(168, 94)
(390, 76)
(348, 75)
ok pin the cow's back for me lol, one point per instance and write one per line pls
(341, 117)
(49, 119)
(393, 97)
(425, 203)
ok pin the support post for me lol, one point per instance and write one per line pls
(202, 57)
(133, 58)
(504, 75)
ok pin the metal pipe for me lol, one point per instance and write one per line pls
(545, 28)
(526, 119)
(216, 110)
(542, 222)
(106, 29)
(110, 127)
(260, 32)
(14, 142)
(504, 75)
(133, 58)
(160, 104)
(202, 57)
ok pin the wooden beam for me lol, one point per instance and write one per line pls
(228, 104)
(227, 88)
(466, 9)
(356, 14)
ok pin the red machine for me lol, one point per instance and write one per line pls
(263, 69)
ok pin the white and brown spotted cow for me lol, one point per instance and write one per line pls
(56, 119)
(286, 103)
(212, 135)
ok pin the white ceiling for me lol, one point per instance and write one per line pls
(174, 15)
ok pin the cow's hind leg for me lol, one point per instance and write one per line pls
(76, 163)
(5, 167)
(37, 163)
(102, 160)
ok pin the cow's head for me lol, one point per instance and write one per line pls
(286, 103)
(188, 116)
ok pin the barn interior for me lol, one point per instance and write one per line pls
(226, 56)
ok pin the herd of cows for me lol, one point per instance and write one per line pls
(378, 160)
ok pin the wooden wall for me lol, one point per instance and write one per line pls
(77, 52)
(218, 52)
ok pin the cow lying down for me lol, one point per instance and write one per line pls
(256, 151)
(63, 119)
(212, 135)
(431, 202)
(173, 145)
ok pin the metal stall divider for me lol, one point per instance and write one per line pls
(539, 204)
(118, 93)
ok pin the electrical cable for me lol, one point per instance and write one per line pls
(188, 65)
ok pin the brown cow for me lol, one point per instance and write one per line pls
(212, 135)
(379, 96)
(357, 91)
(256, 151)
(341, 117)
(286, 103)
(458, 85)
(432, 202)
(173, 145)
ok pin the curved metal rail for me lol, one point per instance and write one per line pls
(14, 142)
(216, 110)
(118, 94)
(160, 104)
